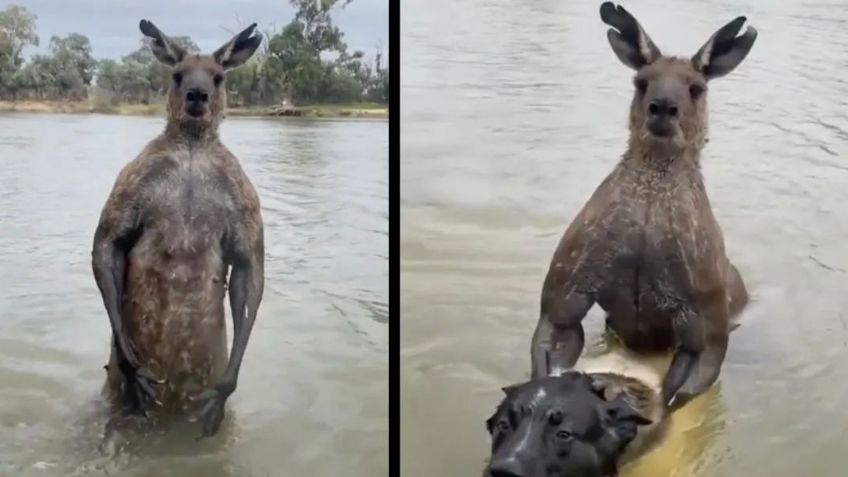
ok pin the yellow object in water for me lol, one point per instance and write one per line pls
(691, 429)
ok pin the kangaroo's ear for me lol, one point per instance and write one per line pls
(163, 48)
(239, 49)
(630, 43)
(724, 50)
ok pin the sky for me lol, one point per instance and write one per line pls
(112, 25)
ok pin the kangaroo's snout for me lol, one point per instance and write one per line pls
(197, 95)
(196, 102)
(661, 108)
(662, 113)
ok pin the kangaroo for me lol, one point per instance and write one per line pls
(646, 247)
(179, 217)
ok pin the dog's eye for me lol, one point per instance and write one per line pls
(641, 85)
(563, 435)
(555, 418)
(696, 91)
(503, 426)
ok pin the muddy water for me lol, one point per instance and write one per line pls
(513, 112)
(312, 395)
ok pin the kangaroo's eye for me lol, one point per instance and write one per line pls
(641, 85)
(695, 91)
(178, 77)
(218, 79)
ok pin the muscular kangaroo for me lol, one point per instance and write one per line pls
(181, 216)
(646, 247)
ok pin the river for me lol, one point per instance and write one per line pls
(313, 389)
(513, 112)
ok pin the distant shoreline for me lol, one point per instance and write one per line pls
(354, 111)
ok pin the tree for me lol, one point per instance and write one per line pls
(17, 30)
(318, 30)
(37, 78)
(295, 54)
(244, 83)
(108, 75)
(74, 53)
(378, 87)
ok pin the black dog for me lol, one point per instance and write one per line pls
(574, 425)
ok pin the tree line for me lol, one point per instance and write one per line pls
(306, 62)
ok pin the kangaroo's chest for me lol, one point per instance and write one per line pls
(652, 240)
(188, 207)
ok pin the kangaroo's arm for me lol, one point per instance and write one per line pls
(698, 268)
(116, 231)
(566, 293)
(245, 252)
(247, 282)
(702, 333)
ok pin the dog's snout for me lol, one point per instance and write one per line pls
(662, 107)
(509, 467)
(197, 95)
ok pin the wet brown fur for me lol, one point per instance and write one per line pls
(646, 246)
(185, 213)
(191, 202)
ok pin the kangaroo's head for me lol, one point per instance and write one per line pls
(197, 95)
(669, 106)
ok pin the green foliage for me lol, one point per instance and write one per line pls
(17, 30)
(74, 54)
(306, 62)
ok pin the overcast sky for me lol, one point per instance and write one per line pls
(112, 25)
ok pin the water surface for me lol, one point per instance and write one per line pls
(312, 393)
(513, 112)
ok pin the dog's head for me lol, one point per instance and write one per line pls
(560, 427)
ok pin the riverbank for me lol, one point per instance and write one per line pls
(364, 110)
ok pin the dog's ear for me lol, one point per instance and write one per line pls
(620, 423)
(598, 386)
(508, 391)
(620, 410)
(490, 422)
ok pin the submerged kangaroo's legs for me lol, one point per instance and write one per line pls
(558, 339)
(245, 288)
(703, 340)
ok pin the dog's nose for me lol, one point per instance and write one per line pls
(509, 467)
(662, 107)
(197, 95)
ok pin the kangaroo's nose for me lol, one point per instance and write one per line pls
(509, 467)
(662, 107)
(197, 95)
